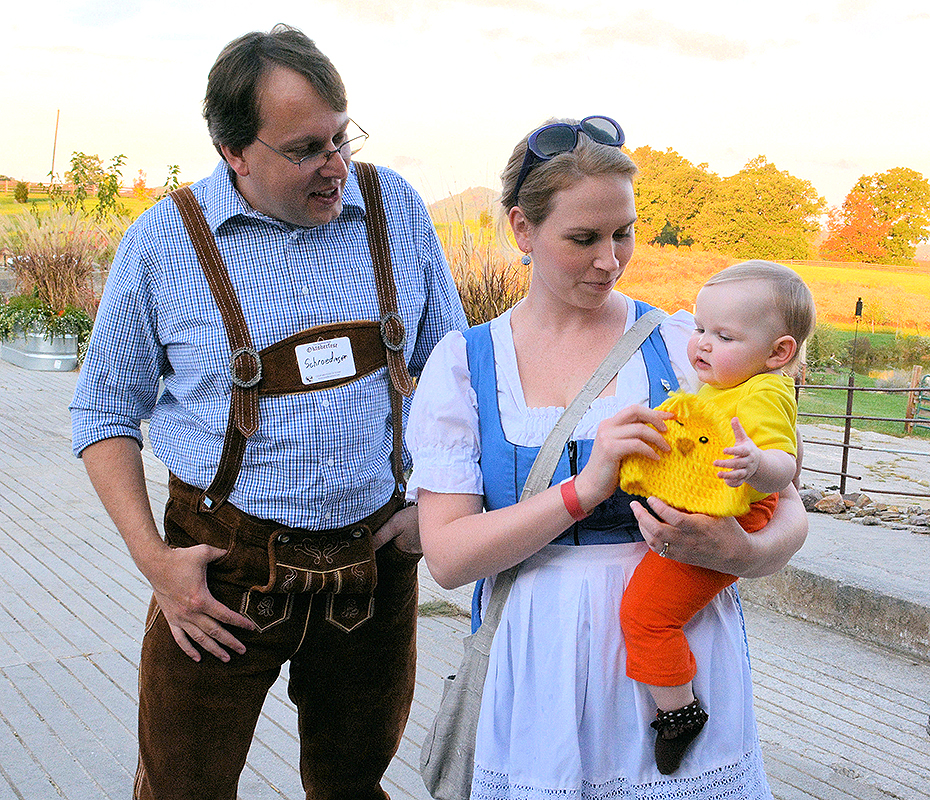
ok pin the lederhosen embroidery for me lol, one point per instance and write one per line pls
(341, 563)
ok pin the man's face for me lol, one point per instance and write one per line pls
(296, 121)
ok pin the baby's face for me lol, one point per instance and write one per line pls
(736, 326)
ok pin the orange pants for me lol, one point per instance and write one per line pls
(661, 597)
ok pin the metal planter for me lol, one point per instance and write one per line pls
(31, 350)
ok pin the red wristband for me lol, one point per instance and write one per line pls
(570, 498)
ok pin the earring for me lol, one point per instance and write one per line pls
(526, 260)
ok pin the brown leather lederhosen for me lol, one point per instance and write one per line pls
(339, 563)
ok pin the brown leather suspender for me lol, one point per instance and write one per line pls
(274, 370)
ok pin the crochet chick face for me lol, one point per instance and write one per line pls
(686, 477)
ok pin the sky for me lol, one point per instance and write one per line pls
(827, 90)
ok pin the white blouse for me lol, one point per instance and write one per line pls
(442, 430)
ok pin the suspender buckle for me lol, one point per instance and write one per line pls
(393, 333)
(245, 383)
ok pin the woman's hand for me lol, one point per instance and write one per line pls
(720, 543)
(635, 429)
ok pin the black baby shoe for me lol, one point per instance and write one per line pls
(675, 730)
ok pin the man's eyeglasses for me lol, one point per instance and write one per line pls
(562, 137)
(315, 159)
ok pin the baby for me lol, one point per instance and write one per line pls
(750, 322)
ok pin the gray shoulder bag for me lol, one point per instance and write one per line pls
(447, 758)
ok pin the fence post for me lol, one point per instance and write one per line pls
(846, 430)
(912, 398)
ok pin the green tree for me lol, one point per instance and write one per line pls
(855, 233)
(21, 192)
(824, 348)
(760, 212)
(670, 192)
(901, 198)
(108, 188)
(86, 176)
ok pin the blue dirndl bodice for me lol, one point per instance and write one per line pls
(505, 466)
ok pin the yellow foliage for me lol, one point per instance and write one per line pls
(686, 477)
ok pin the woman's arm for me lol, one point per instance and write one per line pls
(720, 543)
(461, 543)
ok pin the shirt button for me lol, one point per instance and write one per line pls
(305, 290)
(330, 462)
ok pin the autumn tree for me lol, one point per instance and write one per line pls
(901, 198)
(760, 212)
(670, 192)
(139, 189)
(855, 232)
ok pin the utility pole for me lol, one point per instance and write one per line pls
(51, 175)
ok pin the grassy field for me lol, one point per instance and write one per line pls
(865, 404)
(8, 205)
(895, 299)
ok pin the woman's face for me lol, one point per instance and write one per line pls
(581, 249)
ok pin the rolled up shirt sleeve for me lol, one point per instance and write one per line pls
(118, 384)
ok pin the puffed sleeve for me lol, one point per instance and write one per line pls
(676, 331)
(442, 431)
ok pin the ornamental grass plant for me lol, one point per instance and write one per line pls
(54, 256)
(487, 273)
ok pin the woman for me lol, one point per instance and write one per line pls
(558, 717)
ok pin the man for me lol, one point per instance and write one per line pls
(285, 532)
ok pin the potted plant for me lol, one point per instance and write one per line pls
(35, 337)
(53, 257)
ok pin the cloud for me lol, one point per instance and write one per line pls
(848, 10)
(645, 29)
(74, 51)
(419, 10)
(404, 162)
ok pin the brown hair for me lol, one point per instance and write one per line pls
(231, 105)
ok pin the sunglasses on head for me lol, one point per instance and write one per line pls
(562, 137)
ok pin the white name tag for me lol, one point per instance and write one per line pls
(325, 361)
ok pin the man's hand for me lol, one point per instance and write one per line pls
(178, 575)
(404, 528)
(194, 616)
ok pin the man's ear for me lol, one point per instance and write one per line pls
(783, 350)
(236, 159)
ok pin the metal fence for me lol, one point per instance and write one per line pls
(917, 415)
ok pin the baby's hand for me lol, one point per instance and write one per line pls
(745, 458)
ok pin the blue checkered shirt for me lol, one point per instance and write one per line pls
(159, 350)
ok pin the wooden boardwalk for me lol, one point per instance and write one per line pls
(840, 719)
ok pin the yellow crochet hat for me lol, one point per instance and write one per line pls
(686, 477)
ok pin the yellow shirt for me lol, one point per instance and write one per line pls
(766, 409)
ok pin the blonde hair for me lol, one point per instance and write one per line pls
(547, 178)
(791, 297)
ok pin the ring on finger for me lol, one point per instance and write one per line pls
(664, 551)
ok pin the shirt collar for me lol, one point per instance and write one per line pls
(222, 201)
